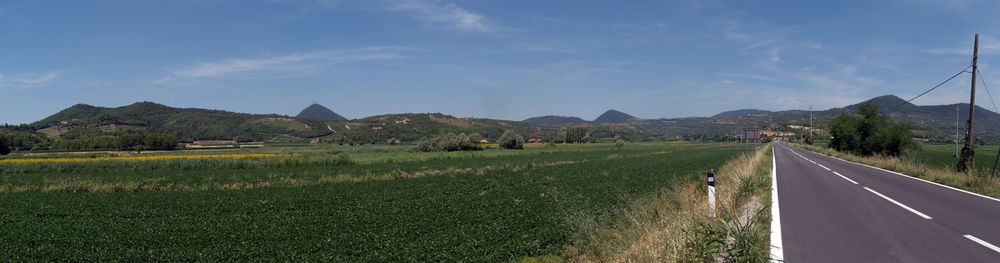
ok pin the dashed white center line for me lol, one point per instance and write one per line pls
(981, 242)
(845, 177)
(967, 236)
(899, 204)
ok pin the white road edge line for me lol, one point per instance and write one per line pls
(914, 178)
(824, 167)
(777, 252)
(899, 204)
(845, 177)
(981, 242)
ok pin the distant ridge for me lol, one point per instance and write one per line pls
(319, 112)
(935, 123)
(553, 119)
(613, 116)
(737, 113)
(86, 121)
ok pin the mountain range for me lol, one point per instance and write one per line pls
(610, 116)
(553, 119)
(82, 121)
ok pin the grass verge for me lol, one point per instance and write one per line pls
(969, 182)
(674, 225)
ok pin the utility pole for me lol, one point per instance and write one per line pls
(967, 151)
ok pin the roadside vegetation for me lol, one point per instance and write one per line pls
(673, 224)
(944, 156)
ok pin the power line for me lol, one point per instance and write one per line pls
(996, 159)
(983, 80)
(936, 86)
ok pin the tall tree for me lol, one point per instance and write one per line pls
(869, 133)
(4, 145)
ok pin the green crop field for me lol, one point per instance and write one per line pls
(330, 203)
(943, 155)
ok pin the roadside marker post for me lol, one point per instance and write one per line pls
(711, 193)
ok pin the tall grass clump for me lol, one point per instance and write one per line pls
(740, 230)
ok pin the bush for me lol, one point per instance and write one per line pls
(4, 145)
(869, 133)
(426, 144)
(619, 144)
(448, 142)
(511, 140)
(965, 161)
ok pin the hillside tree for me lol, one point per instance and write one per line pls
(511, 140)
(868, 133)
(576, 134)
(4, 145)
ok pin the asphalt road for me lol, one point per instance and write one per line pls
(837, 211)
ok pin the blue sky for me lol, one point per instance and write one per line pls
(492, 59)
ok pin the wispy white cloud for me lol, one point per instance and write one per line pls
(949, 4)
(27, 79)
(544, 48)
(299, 62)
(987, 45)
(845, 80)
(751, 76)
(812, 75)
(162, 80)
(441, 13)
(759, 39)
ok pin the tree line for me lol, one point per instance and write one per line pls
(20, 141)
(462, 142)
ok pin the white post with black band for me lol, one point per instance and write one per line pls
(711, 193)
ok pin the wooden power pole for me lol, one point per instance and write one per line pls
(967, 151)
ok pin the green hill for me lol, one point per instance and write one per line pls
(613, 116)
(319, 112)
(80, 121)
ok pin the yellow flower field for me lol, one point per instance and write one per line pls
(135, 158)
